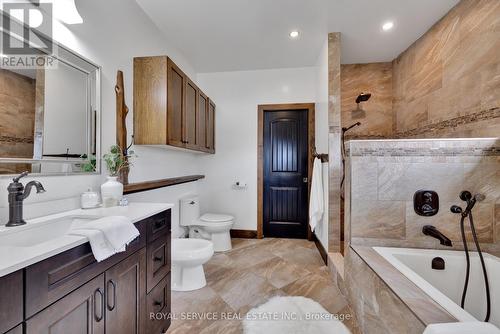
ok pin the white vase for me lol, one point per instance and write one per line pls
(111, 192)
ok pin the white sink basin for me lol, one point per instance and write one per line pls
(31, 235)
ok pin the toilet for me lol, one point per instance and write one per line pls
(210, 226)
(188, 257)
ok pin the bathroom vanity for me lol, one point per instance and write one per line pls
(57, 286)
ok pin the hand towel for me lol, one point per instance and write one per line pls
(316, 202)
(101, 248)
(476, 327)
(108, 235)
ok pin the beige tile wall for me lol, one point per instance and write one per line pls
(384, 175)
(452, 71)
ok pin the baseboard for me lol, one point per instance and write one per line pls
(245, 234)
(321, 249)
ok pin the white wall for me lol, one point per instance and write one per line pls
(237, 95)
(114, 31)
(322, 133)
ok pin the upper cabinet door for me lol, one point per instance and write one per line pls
(202, 121)
(176, 97)
(191, 116)
(211, 127)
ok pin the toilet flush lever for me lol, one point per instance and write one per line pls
(192, 203)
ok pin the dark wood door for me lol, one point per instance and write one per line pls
(202, 121)
(126, 295)
(285, 174)
(211, 127)
(176, 92)
(191, 116)
(80, 312)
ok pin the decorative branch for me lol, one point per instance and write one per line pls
(121, 125)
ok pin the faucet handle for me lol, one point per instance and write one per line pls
(17, 178)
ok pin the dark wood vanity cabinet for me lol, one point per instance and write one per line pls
(169, 109)
(73, 293)
(11, 301)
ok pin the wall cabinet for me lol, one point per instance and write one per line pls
(73, 293)
(169, 109)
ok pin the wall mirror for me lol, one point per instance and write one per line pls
(50, 115)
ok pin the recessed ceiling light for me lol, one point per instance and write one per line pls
(294, 34)
(388, 26)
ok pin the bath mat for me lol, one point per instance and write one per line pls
(292, 315)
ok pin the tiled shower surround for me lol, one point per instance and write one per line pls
(385, 174)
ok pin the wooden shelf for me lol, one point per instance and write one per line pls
(150, 185)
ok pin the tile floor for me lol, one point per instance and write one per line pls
(247, 276)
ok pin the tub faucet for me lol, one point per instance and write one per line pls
(17, 194)
(432, 231)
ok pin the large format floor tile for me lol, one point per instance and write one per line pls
(250, 274)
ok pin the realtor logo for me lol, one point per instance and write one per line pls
(27, 35)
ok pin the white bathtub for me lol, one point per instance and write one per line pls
(445, 286)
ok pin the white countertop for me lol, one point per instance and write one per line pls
(13, 258)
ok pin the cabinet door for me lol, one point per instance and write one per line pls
(202, 121)
(176, 94)
(126, 295)
(80, 312)
(211, 127)
(191, 116)
(11, 300)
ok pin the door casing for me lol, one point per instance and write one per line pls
(260, 155)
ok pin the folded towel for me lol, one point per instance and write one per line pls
(101, 248)
(462, 328)
(316, 205)
(108, 235)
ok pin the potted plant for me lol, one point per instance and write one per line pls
(112, 189)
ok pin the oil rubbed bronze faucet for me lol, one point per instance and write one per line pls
(17, 194)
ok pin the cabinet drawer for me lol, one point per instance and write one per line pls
(158, 260)
(49, 280)
(158, 307)
(158, 225)
(11, 301)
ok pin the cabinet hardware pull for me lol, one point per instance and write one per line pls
(158, 258)
(99, 317)
(113, 284)
(159, 224)
(157, 303)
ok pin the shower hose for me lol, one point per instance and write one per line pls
(467, 257)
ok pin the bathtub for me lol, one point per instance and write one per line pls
(445, 286)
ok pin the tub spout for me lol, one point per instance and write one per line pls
(435, 233)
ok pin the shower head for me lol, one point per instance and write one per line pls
(350, 127)
(363, 97)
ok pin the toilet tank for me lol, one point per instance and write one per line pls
(189, 210)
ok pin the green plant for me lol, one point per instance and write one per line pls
(90, 165)
(116, 160)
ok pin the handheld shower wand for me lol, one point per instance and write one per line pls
(471, 201)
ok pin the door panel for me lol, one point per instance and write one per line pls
(202, 121)
(126, 295)
(80, 312)
(211, 127)
(285, 174)
(175, 105)
(191, 123)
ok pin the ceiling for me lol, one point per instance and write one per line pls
(229, 35)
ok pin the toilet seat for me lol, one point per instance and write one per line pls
(216, 218)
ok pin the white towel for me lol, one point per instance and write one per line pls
(316, 202)
(462, 328)
(108, 235)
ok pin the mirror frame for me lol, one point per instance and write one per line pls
(76, 61)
